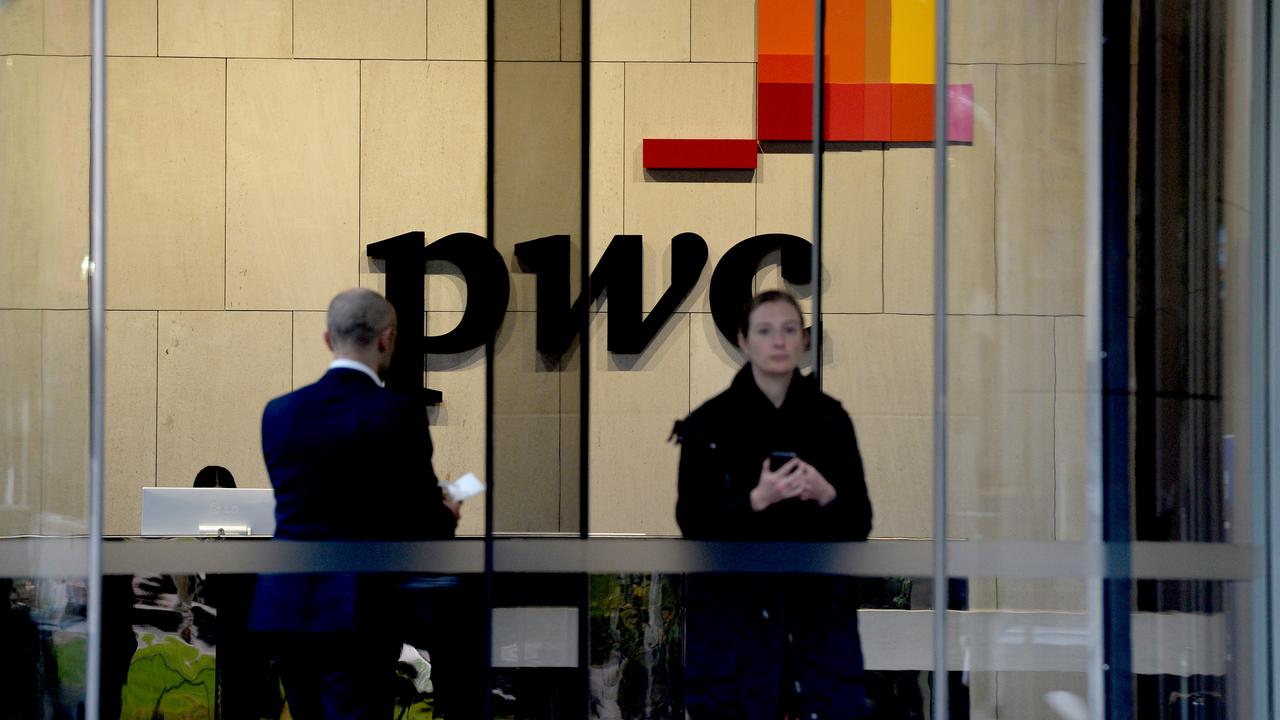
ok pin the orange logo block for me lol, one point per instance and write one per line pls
(878, 82)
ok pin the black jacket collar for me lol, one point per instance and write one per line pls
(801, 391)
(348, 375)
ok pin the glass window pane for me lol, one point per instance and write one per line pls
(1021, 464)
(243, 645)
(1017, 323)
(537, 225)
(44, 358)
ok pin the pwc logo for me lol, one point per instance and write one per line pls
(878, 86)
(878, 83)
(406, 261)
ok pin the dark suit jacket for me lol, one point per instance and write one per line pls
(349, 461)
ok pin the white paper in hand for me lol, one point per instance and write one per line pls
(464, 487)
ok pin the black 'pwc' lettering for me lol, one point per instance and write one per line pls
(731, 281)
(489, 289)
(548, 259)
(621, 272)
(405, 259)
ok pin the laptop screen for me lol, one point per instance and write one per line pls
(208, 511)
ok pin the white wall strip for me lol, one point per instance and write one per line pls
(1181, 644)
(1178, 644)
(535, 637)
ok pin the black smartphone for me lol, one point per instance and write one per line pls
(778, 458)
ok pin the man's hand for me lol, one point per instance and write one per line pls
(455, 508)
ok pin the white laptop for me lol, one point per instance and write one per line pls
(208, 511)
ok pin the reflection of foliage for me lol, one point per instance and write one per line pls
(168, 678)
(889, 593)
(171, 674)
(70, 651)
(635, 646)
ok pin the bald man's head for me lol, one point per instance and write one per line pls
(357, 318)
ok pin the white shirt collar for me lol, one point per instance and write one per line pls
(355, 365)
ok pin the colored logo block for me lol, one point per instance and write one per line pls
(878, 79)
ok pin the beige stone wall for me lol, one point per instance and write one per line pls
(1016, 281)
(257, 147)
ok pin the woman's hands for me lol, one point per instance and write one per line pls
(795, 479)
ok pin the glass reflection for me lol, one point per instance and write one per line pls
(188, 646)
(644, 635)
(43, 646)
(44, 363)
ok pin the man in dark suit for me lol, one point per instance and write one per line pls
(349, 460)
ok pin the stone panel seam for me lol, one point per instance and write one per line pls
(995, 677)
(226, 97)
(662, 62)
(359, 165)
(226, 57)
(979, 315)
(40, 428)
(1057, 37)
(1054, 444)
(59, 55)
(623, 149)
(155, 426)
(883, 179)
(995, 189)
(1235, 205)
(1016, 64)
(407, 60)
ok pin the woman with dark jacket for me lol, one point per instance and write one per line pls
(772, 458)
